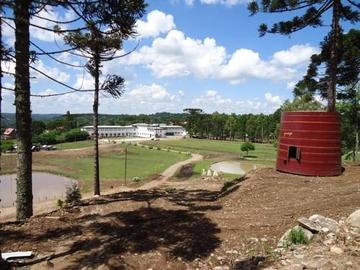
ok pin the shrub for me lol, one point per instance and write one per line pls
(75, 135)
(60, 203)
(296, 237)
(136, 179)
(226, 186)
(7, 145)
(186, 170)
(246, 147)
(73, 195)
(150, 147)
(170, 190)
(158, 148)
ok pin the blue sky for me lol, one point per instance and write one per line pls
(202, 53)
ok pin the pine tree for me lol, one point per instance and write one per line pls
(24, 195)
(344, 10)
(99, 46)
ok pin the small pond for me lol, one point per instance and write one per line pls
(46, 186)
(231, 166)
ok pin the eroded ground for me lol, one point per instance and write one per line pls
(183, 228)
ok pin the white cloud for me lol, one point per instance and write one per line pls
(189, 2)
(177, 55)
(295, 55)
(44, 35)
(274, 101)
(148, 93)
(213, 101)
(211, 93)
(156, 23)
(224, 2)
(290, 85)
(53, 72)
(245, 63)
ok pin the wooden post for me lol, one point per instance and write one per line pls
(125, 163)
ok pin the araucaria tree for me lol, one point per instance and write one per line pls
(314, 10)
(109, 23)
(23, 113)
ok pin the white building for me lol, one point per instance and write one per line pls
(138, 130)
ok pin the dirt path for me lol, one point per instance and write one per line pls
(169, 172)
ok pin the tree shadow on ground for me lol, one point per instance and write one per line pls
(188, 198)
(94, 240)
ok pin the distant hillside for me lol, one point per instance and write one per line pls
(8, 119)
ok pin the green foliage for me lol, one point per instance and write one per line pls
(136, 179)
(56, 136)
(60, 203)
(227, 185)
(303, 103)
(246, 147)
(311, 16)
(297, 237)
(49, 137)
(73, 195)
(7, 145)
(348, 67)
(75, 135)
(38, 127)
(170, 190)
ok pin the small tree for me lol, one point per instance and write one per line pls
(246, 147)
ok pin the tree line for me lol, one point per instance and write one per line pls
(221, 126)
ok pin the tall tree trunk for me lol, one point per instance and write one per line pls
(24, 197)
(1, 75)
(331, 92)
(96, 123)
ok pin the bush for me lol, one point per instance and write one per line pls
(296, 237)
(186, 170)
(60, 203)
(7, 145)
(246, 147)
(170, 190)
(150, 147)
(75, 135)
(136, 179)
(73, 195)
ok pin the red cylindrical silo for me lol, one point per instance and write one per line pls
(310, 143)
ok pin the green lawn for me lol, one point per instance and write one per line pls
(74, 145)
(141, 162)
(213, 150)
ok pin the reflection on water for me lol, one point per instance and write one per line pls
(46, 186)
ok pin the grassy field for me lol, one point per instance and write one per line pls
(74, 145)
(263, 156)
(78, 164)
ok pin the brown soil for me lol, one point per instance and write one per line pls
(185, 228)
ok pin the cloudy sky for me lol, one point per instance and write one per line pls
(192, 53)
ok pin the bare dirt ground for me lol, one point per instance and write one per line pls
(188, 227)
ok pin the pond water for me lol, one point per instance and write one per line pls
(46, 186)
(233, 167)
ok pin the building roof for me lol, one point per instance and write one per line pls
(9, 131)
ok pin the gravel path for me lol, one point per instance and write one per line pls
(169, 172)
